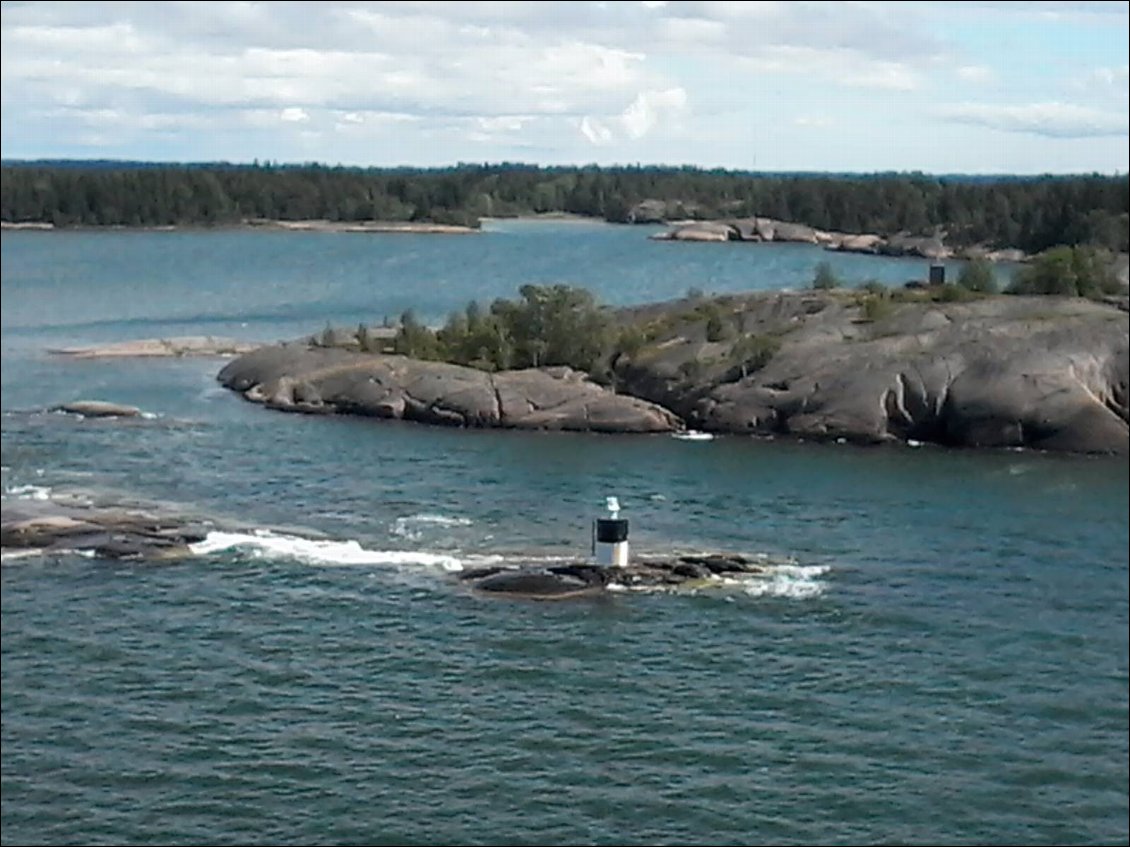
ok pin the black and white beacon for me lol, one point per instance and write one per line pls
(610, 537)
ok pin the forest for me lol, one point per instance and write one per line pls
(1029, 213)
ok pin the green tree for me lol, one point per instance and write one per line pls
(977, 275)
(1069, 272)
(825, 278)
(415, 340)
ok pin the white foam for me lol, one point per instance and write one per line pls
(798, 582)
(412, 526)
(30, 492)
(693, 435)
(267, 544)
(14, 553)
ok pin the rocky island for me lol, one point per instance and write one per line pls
(114, 529)
(756, 230)
(1042, 372)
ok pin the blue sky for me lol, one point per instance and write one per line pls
(974, 87)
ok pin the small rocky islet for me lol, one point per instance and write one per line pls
(113, 530)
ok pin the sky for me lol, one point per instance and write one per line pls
(938, 87)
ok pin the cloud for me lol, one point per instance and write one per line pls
(1055, 10)
(1055, 120)
(648, 110)
(839, 67)
(595, 131)
(978, 74)
(1104, 81)
(412, 80)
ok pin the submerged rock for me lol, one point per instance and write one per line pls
(106, 532)
(97, 409)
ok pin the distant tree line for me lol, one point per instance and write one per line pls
(1032, 214)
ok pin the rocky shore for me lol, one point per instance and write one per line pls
(584, 579)
(130, 531)
(190, 345)
(1038, 372)
(301, 378)
(409, 227)
(119, 531)
(1035, 372)
(761, 230)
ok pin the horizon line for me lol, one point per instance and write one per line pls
(505, 163)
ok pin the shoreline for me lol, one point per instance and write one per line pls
(314, 225)
(676, 231)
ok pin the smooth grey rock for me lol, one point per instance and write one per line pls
(295, 378)
(702, 231)
(190, 345)
(1041, 372)
(97, 409)
(785, 231)
(927, 247)
(109, 532)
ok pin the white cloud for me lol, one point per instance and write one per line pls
(1057, 120)
(644, 114)
(649, 108)
(407, 79)
(595, 131)
(504, 123)
(978, 74)
(839, 67)
(1105, 81)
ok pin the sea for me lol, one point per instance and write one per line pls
(935, 653)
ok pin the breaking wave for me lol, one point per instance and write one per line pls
(29, 492)
(267, 544)
(413, 526)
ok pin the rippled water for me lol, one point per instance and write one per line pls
(938, 653)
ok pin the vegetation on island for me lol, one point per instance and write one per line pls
(563, 325)
(548, 325)
(1029, 213)
(1081, 271)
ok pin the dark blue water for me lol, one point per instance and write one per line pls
(937, 653)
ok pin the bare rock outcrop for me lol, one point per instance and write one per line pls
(329, 380)
(108, 532)
(1007, 371)
(758, 229)
(97, 409)
(190, 345)
(1040, 372)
